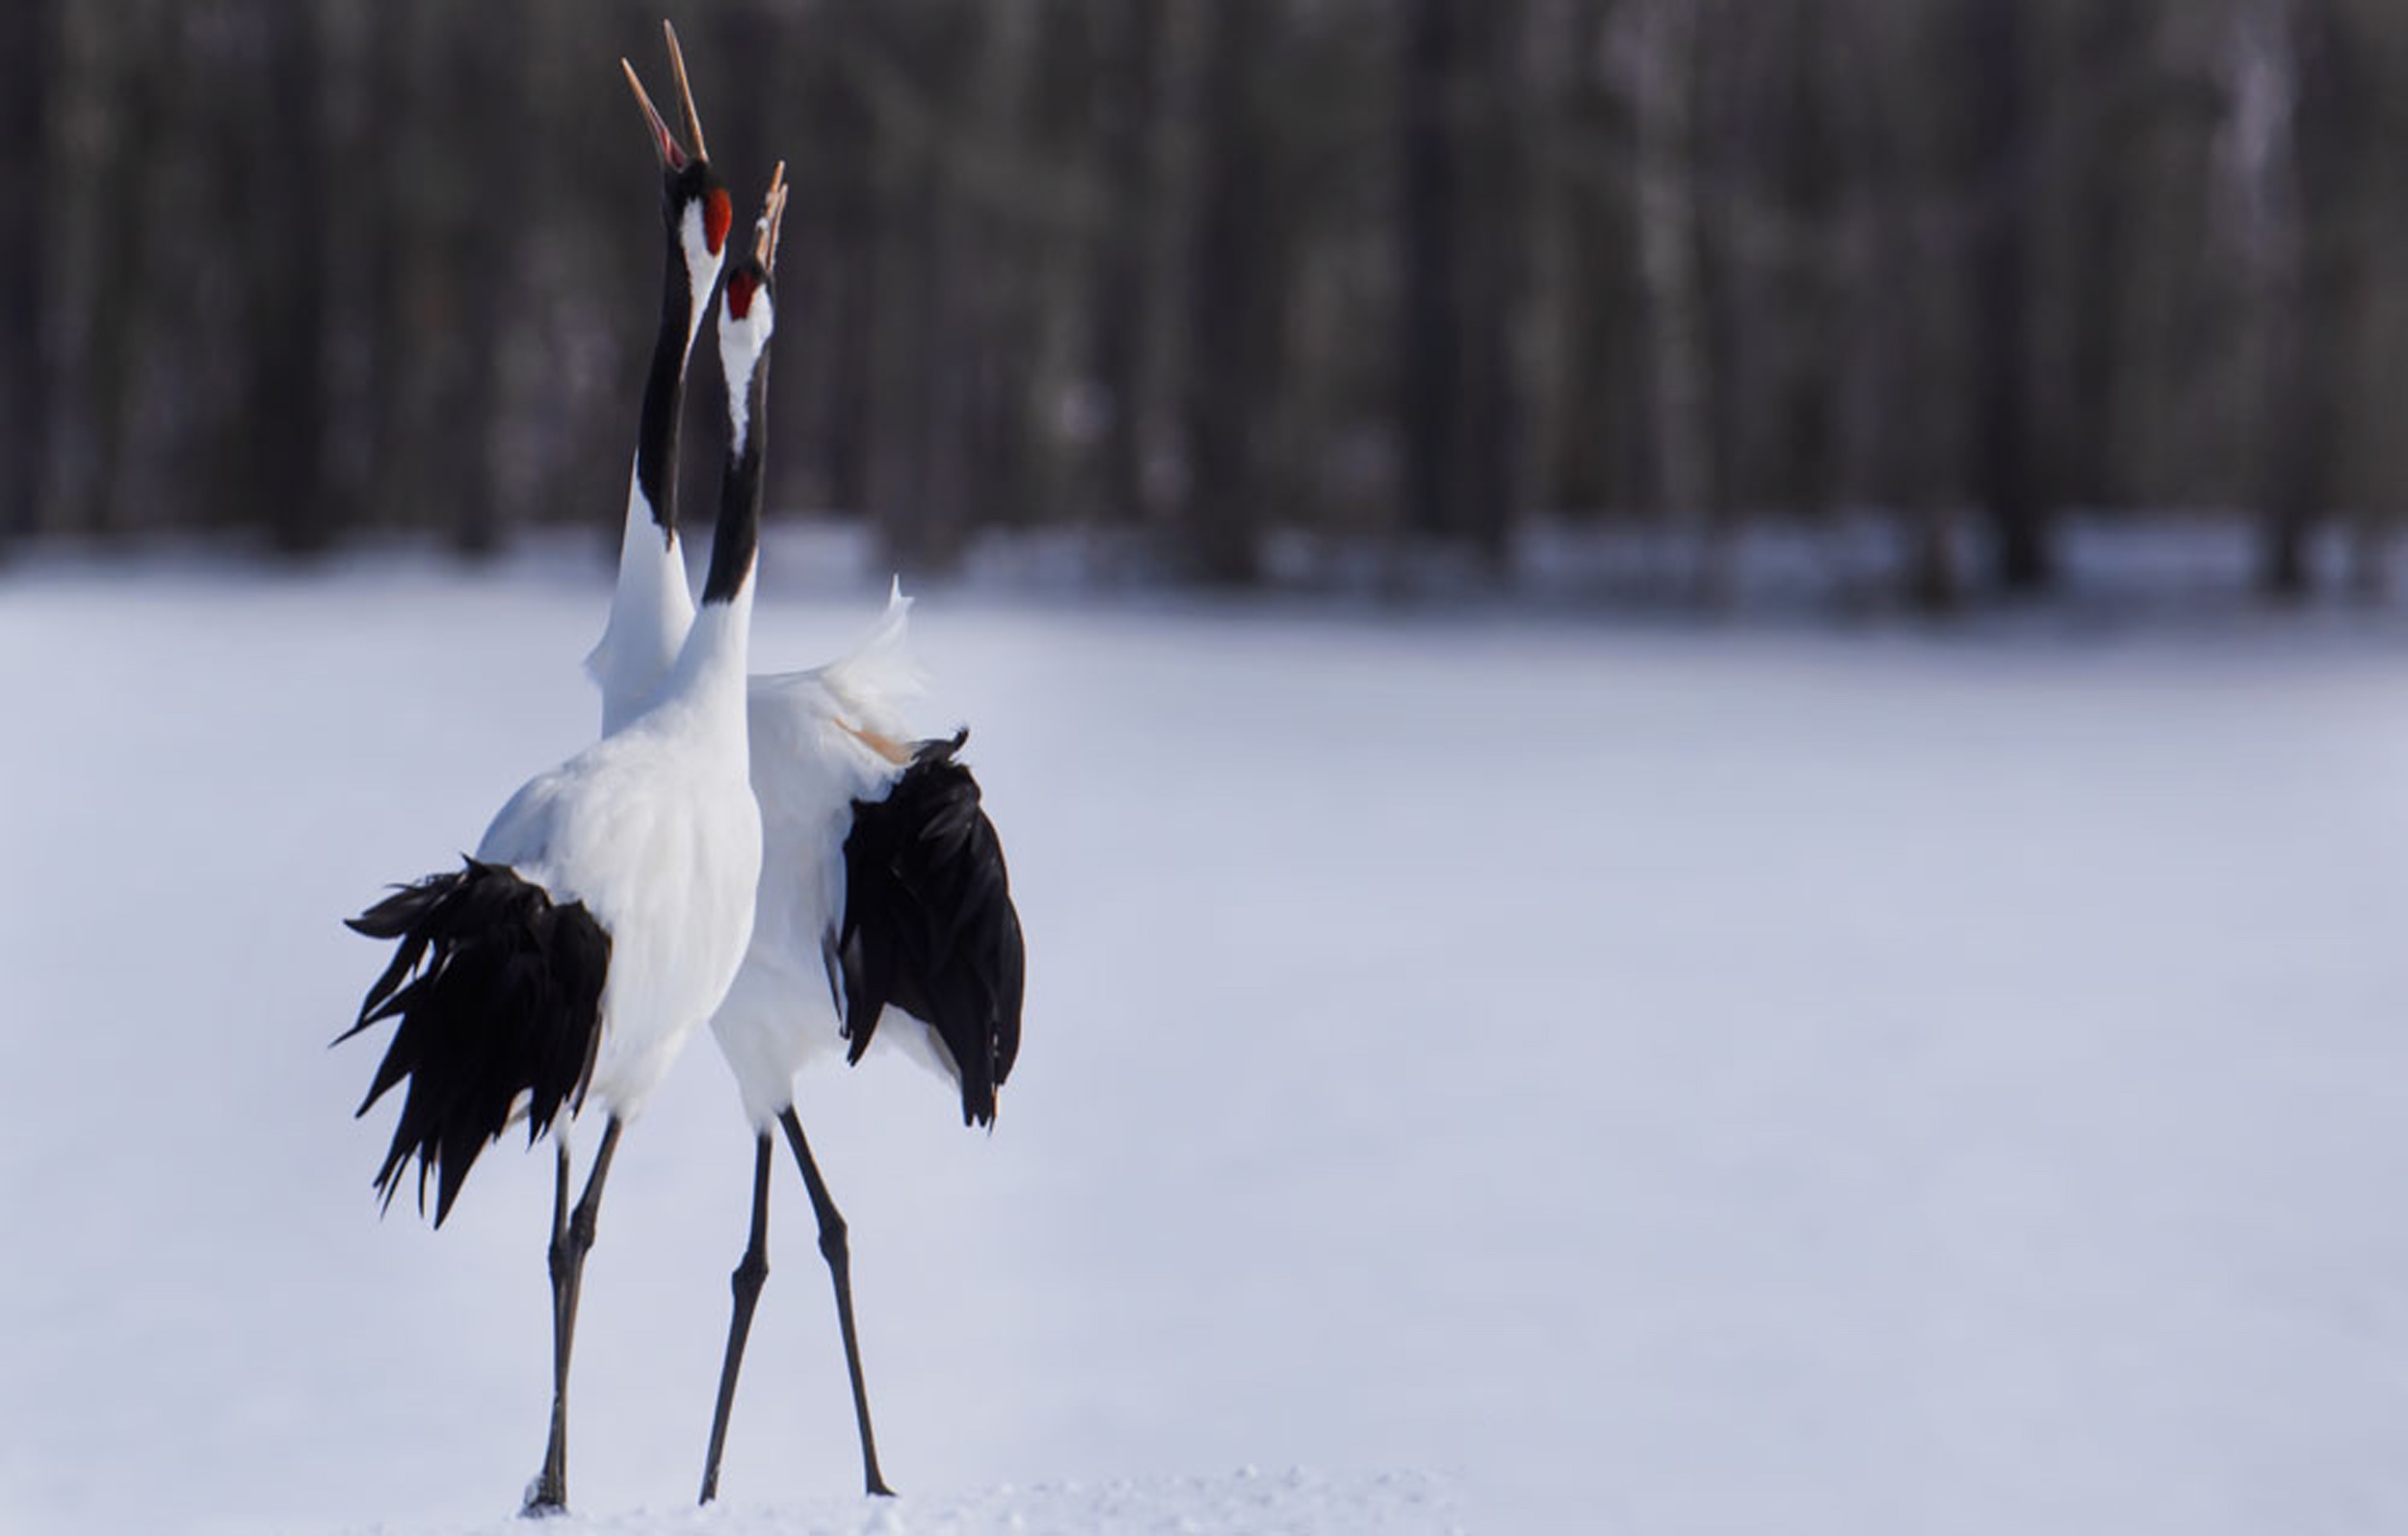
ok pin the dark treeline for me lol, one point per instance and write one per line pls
(1392, 274)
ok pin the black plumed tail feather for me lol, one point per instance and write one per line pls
(928, 923)
(499, 992)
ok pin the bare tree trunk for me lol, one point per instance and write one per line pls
(2111, 49)
(143, 76)
(380, 193)
(2005, 484)
(484, 258)
(1586, 414)
(1430, 204)
(1806, 154)
(1228, 289)
(1128, 111)
(1496, 232)
(848, 313)
(1457, 230)
(1904, 425)
(28, 63)
(2291, 61)
(1660, 63)
(289, 307)
(999, 255)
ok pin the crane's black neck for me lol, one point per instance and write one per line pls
(664, 390)
(738, 536)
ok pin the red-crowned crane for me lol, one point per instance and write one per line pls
(882, 882)
(607, 907)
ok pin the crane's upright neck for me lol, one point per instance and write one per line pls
(715, 653)
(711, 666)
(735, 543)
(685, 280)
(652, 608)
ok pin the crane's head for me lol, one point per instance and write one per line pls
(695, 209)
(749, 311)
(746, 318)
(748, 280)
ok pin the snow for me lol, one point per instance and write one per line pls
(1485, 1073)
(1292, 1503)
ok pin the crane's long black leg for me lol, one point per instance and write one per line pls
(545, 1495)
(572, 1238)
(751, 1271)
(832, 1248)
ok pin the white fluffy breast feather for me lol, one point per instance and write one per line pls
(651, 610)
(656, 830)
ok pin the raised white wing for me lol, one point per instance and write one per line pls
(820, 741)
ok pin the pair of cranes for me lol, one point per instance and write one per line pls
(770, 854)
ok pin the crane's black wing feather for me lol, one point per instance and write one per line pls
(498, 991)
(929, 924)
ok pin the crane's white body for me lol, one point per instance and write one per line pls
(656, 830)
(819, 741)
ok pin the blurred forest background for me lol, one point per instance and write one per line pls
(1421, 282)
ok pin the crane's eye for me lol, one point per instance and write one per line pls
(740, 289)
(716, 217)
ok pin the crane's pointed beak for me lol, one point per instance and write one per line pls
(663, 142)
(772, 215)
(685, 92)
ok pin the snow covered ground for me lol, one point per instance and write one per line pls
(1484, 1075)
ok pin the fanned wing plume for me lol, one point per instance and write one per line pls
(929, 924)
(880, 671)
(498, 992)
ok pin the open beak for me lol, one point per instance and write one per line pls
(772, 215)
(673, 156)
